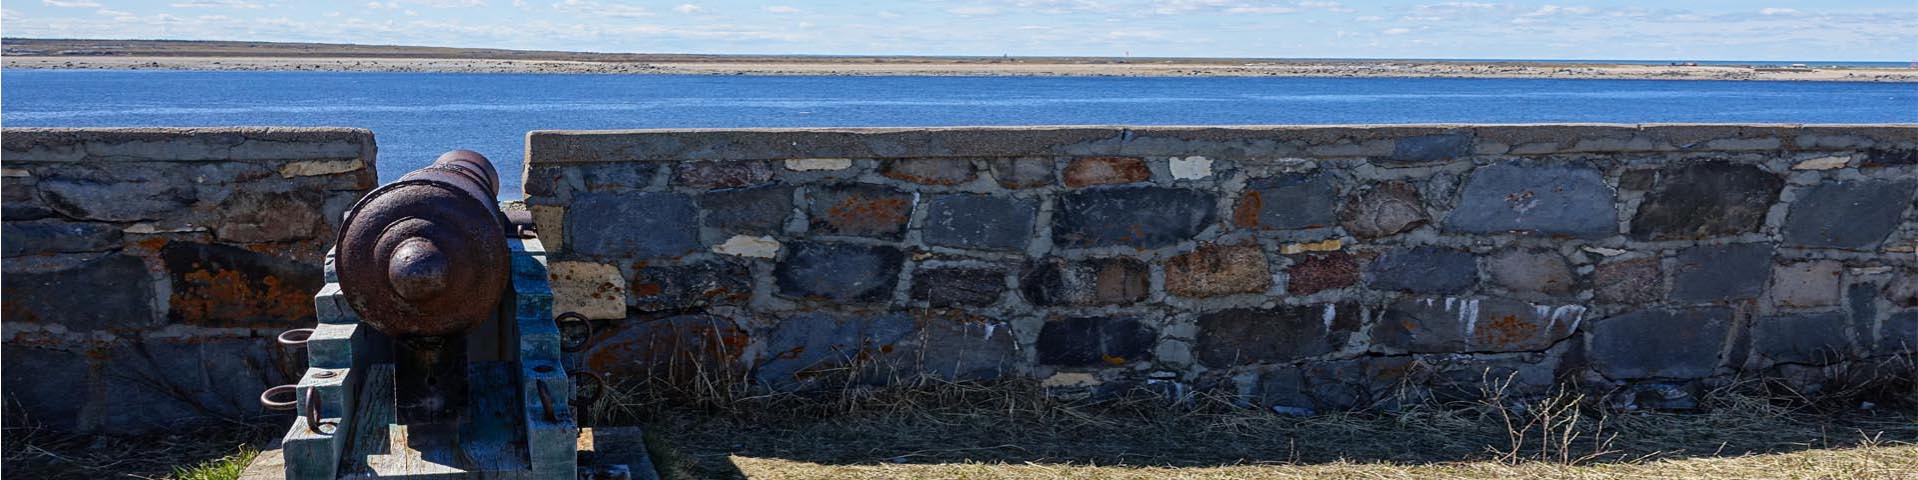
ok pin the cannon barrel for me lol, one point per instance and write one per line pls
(424, 260)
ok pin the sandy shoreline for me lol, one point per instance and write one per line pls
(970, 67)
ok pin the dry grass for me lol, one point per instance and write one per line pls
(1010, 430)
(197, 454)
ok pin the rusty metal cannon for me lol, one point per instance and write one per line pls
(437, 352)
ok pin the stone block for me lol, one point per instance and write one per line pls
(1534, 271)
(721, 174)
(812, 348)
(169, 384)
(1806, 338)
(839, 272)
(1098, 281)
(1024, 172)
(680, 349)
(1656, 343)
(1094, 342)
(943, 287)
(1634, 281)
(860, 210)
(1807, 284)
(1287, 203)
(595, 290)
(1423, 270)
(116, 201)
(1890, 156)
(1712, 273)
(1214, 270)
(760, 210)
(1314, 273)
(1385, 209)
(225, 286)
(55, 236)
(983, 222)
(1089, 171)
(259, 216)
(48, 386)
(1847, 214)
(1903, 290)
(958, 347)
(1460, 325)
(1246, 336)
(1140, 217)
(1899, 334)
(929, 171)
(689, 286)
(1432, 148)
(632, 225)
(1189, 168)
(1359, 383)
(1521, 197)
(1706, 200)
(749, 246)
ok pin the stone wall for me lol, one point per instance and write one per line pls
(148, 270)
(1302, 267)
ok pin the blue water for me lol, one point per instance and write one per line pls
(415, 116)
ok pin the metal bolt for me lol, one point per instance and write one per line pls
(326, 374)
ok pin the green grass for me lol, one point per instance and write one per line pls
(224, 468)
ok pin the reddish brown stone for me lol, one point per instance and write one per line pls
(1089, 171)
(677, 350)
(862, 210)
(930, 171)
(1214, 270)
(1628, 281)
(1313, 273)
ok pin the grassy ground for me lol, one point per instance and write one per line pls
(1007, 430)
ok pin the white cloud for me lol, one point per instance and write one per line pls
(1778, 11)
(596, 9)
(973, 11)
(1369, 19)
(1267, 10)
(217, 4)
(780, 9)
(447, 3)
(688, 8)
(72, 3)
(1397, 31)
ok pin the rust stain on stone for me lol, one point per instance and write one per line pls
(1506, 330)
(1246, 214)
(1088, 171)
(1112, 360)
(154, 243)
(227, 294)
(860, 213)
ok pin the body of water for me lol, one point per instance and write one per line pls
(416, 116)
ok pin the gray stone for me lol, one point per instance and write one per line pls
(1432, 148)
(1889, 156)
(812, 349)
(259, 216)
(1025, 172)
(54, 236)
(860, 210)
(761, 210)
(1097, 281)
(1635, 281)
(1094, 342)
(983, 222)
(1359, 383)
(962, 347)
(1386, 209)
(1545, 199)
(230, 287)
(1475, 378)
(1423, 270)
(1807, 284)
(696, 285)
(1457, 325)
(614, 176)
(1659, 343)
(1899, 334)
(123, 201)
(1712, 273)
(1807, 338)
(168, 384)
(721, 174)
(844, 273)
(943, 287)
(929, 171)
(1705, 200)
(1246, 336)
(1847, 214)
(1638, 180)
(1141, 217)
(1536, 271)
(1288, 202)
(110, 292)
(1862, 298)
(632, 225)
(1314, 273)
(46, 385)
(1903, 290)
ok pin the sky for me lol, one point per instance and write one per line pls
(1773, 30)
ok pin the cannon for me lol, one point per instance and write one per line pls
(437, 352)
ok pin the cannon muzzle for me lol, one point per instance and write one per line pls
(425, 256)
